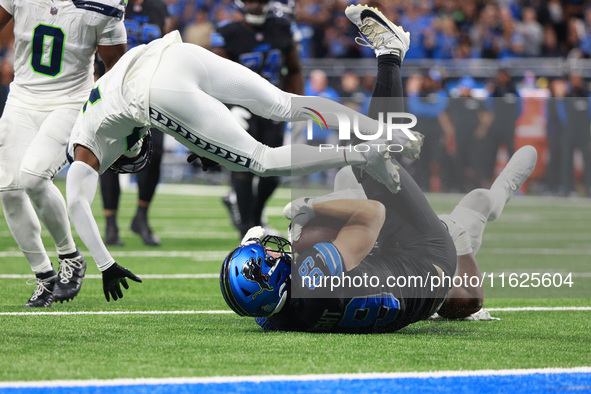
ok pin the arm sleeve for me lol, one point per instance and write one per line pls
(112, 33)
(81, 184)
(316, 263)
(8, 5)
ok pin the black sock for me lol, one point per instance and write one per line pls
(142, 212)
(242, 184)
(148, 178)
(46, 275)
(69, 255)
(110, 190)
(266, 188)
(111, 220)
(388, 94)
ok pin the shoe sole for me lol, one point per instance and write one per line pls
(357, 13)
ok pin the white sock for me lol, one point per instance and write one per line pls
(81, 185)
(25, 228)
(345, 179)
(472, 213)
(51, 209)
(501, 196)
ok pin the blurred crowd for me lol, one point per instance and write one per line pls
(472, 126)
(440, 29)
(468, 123)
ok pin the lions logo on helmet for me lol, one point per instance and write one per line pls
(253, 272)
(254, 282)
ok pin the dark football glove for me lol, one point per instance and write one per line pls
(206, 163)
(112, 277)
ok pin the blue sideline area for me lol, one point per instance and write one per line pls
(540, 383)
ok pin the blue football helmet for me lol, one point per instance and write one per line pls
(254, 19)
(253, 282)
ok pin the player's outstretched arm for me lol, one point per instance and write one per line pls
(363, 221)
(110, 54)
(81, 184)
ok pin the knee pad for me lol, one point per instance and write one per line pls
(33, 184)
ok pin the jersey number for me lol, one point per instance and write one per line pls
(47, 62)
(373, 311)
(269, 66)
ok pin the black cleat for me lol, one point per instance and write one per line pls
(112, 232)
(140, 226)
(43, 295)
(231, 204)
(69, 277)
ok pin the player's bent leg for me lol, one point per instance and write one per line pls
(515, 173)
(205, 125)
(25, 228)
(232, 83)
(110, 193)
(42, 161)
(465, 299)
(147, 181)
(472, 213)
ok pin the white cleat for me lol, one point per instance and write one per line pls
(380, 167)
(413, 149)
(383, 36)
(515, 173)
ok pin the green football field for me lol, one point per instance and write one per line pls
(176, 323)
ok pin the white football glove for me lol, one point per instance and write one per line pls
(300, 212)
(252, 235)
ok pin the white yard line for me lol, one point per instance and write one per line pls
(292, 378)
(143, 276)
(216, 312)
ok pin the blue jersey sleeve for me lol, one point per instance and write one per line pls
(313, 265)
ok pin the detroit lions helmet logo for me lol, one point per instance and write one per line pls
(253, 272)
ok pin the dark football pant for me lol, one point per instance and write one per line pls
(413, 241)
(250, 202)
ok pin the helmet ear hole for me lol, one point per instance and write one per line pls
(246, 293)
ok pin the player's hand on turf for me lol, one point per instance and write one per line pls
(206, 163)
(253, 235)
(113, 277)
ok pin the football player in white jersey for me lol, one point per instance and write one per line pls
(55, 43)
(181, 89)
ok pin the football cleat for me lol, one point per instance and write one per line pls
(69, 277)
(43, 294)
(140, 226)
(231, 203)
(515, 173)
(413, 149)
(112, 234)
(378, 33)
(380, 167)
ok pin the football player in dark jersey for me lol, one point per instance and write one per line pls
(412, 239)
(145, 20)
(264, 43)
(385, 238)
